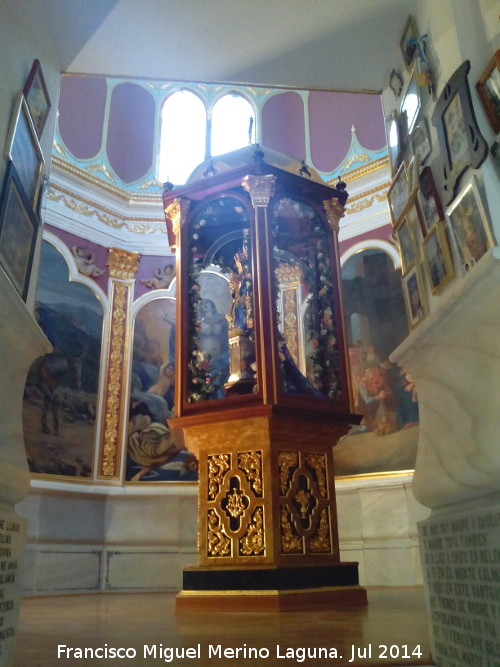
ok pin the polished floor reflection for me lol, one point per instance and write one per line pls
(392, 630)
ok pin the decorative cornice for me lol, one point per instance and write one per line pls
(381, 163)
(122, 263)
(106, 216)
(87, 175)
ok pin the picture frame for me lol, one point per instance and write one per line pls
(406, 242)
(37, 97)
(470, 225)
(23, 149)
(408, 43)
(398, 195)
(429, 201)
(411, 103)
(397, 138)
(462, 145)
(18, 231)
(396, 83)
(416, 305)
(420, 141)
(488, 89)
(438, 261)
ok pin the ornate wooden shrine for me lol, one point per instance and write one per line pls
(262, 392)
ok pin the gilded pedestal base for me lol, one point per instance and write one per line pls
(267, 513)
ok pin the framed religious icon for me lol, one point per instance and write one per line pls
(18, 230)
(37, 97)
(488, 88)
(408, 43)
(460, 141)
(429, 201)
(23, 149)
(416, 306)
(438, 260)
(398, 195)
(407, 249)
(470, 224)
(420, 141)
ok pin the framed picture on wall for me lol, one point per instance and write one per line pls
(408, 43)
(429, 201)
(406, 243)
(470, 224)
(398, 195)
(460, 141)
(438, 258)
(23, 149)
(37, 97)
(414, 297)
(488, 88)
(18, 230)
(421, 141)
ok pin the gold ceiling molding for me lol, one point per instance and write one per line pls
(361, 171)
(105, 216)
(366, 203)
(88, 176)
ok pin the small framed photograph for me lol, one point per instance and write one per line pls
(429, 201)
(470, 224)
(438, 258)
(460, 141)
(416, 306)
(408, 43)
(18, 230)
(23, 149)
(396, 83)
(420, 141)
(37, 97)
(407, 249)
(488, 88)
(411, 104)
(398, 195)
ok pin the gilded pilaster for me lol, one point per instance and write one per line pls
(122, 268)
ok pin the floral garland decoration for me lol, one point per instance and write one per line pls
(200, 385)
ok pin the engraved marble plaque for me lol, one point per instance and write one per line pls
(12, 541)
(461, 562)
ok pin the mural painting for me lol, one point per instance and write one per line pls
(384, 394)
(152, 453)
(60, 398)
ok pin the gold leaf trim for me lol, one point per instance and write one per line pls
(253, 542)
(123, 263)
(320, 543)
(218, 465)
(115, 368)
(218, 544)
(251, 464)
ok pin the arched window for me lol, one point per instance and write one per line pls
(233, 121)
(182, 137)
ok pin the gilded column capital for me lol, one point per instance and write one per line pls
(122, 263)
(260, 188)
(334, 211)
(177, 212)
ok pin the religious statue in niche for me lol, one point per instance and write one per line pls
(241, 322)
(85, 262)
(161, 279)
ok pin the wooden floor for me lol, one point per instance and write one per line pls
(395, 618)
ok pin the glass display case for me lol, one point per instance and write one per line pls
(259, 302)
